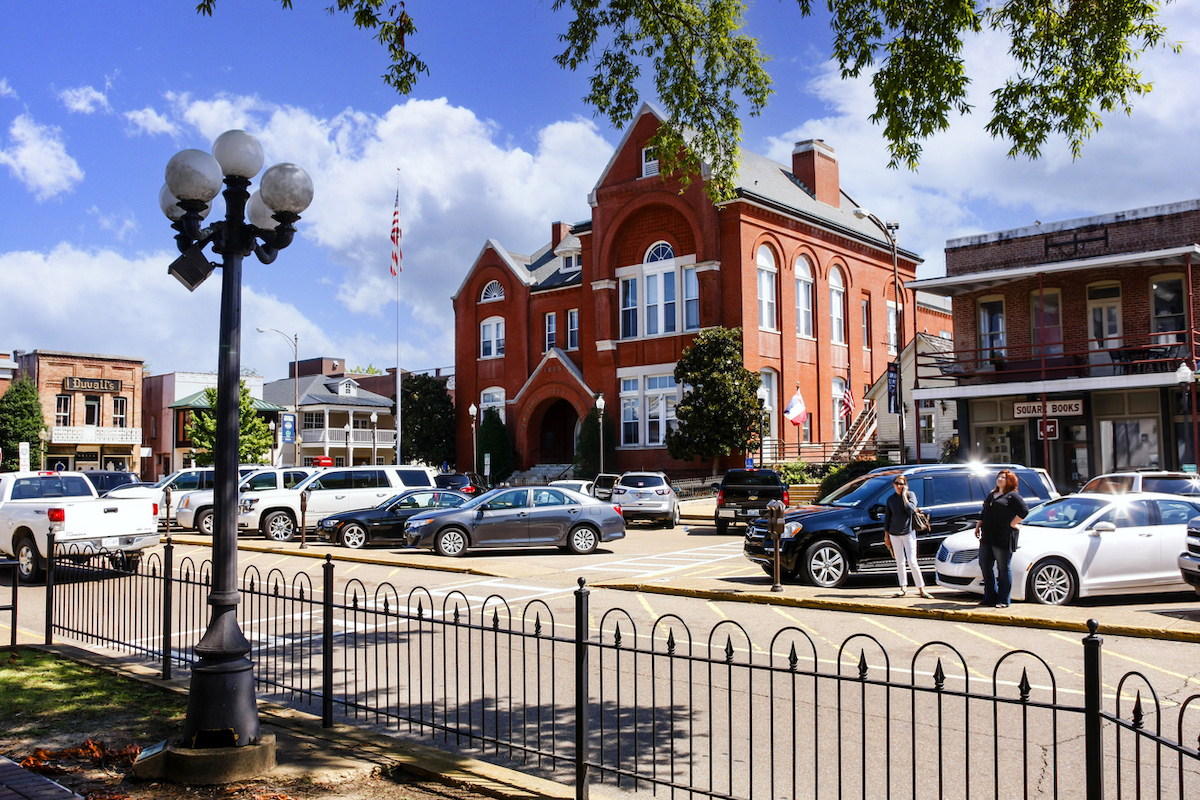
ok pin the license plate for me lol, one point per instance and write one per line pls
(730, 513)
(110, 544)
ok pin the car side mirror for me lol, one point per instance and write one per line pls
(716, 487)
(1102, 527)
(876, 512)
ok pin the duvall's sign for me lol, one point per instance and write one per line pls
(1054, 408)
(91, 385)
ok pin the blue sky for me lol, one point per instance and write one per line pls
(495, 142)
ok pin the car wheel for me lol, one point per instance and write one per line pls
(1052, 583)
(126, 562)
(451, 542)
(279, 526)
(354, 536)
(825, 564)
(204, 521)
(583, 540)
(675, 517)
(28, 568)
(722, 526)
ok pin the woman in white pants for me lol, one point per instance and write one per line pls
(900, 537)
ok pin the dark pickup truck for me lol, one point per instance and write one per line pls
(743, 494)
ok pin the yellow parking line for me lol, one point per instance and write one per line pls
(1108, 652)
(646, 605)
(715, 610)
(890, 630)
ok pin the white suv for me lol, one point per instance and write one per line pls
(191, 479)
(195, 509)
(646, 495)
(1148, 480)
(276, 514)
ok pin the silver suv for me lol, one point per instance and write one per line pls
(1155, 480)
(646, 495)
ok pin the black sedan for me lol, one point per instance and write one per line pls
(525, 516)
(385, 521)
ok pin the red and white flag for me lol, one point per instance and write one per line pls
(795, 412)
(848, 402)
(397, 255)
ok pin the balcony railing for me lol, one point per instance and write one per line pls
(359, 436)
(1081, 358)
(94, 434)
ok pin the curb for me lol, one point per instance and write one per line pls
(385, 752)
(946, 614)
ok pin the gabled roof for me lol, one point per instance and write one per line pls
(515, 262)
(200, 400)
(558, 355)
(321, 390)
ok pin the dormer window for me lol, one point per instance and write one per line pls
(572, 262)
(493, 291)
(348, 389)
(649, 162)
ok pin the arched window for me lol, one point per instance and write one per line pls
(837, 307)
(766, 289)
(659, 251)
(491, 337)
(841, 419)
(493, 291)
(492, 397)
(804, 298)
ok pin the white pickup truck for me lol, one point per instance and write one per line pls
(34, 503)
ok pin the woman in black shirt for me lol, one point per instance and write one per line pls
(1003, 511)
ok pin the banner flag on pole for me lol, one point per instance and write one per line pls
(397, 255)
(795, 412)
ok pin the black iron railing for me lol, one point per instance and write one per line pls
(659, 709)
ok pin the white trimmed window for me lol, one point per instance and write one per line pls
(493, 291)
(991, 328)
(551, 328)
(62, 410)
(767, 378)
(766, 289)
(491, 337)
(492, 397)
(839, 422)
(804, 298)
(629, 308)
(91, 409)
(661, 395)
(120, 411)
(649, 162)
(1168, 308)
(866, 324)
(313, 421)
(630, 418)
(691, 299)
(1045, 315)
(837, 307)
(573, 329)
(649, 294)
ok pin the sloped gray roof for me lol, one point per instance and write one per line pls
(321, 390)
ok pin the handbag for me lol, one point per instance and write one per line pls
(920, 520)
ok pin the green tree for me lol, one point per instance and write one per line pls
(587, 449)
(1072, 61)
(254, 440)
(494, 439)
(20, 421)
(427, 421)
(719, 412)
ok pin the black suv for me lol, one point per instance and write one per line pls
(466, 482)
(843, 532)
(743, 494)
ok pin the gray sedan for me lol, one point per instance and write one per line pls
(525, 516)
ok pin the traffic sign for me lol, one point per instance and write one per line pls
(1047, 429)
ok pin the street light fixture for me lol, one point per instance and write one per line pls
(349, 453)
(271, 425)
(294, 341)
(889, 230)
(761, 394)
(600, 411)
(474, 412)
(374, 422)
(221, 706)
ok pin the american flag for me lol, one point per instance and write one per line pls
(848, 402)
(397, 255)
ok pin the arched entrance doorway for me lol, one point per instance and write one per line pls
(556, 438)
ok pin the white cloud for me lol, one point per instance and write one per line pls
(38, 158)
(150, 122)
(121, 225)
(6, 90)
(84, 100)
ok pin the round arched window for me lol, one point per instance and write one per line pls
(660, 251)
(493, 291)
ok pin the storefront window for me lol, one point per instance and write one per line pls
(1129, 444)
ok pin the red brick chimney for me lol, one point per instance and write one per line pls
(558, 232)
(815, 165)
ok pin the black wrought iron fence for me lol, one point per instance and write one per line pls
(657, 708)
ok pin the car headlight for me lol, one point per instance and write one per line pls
(246, 505)
(185, 502)
(412, 525)
(791, 529)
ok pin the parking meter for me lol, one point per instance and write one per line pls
(775, 511)
(167, 503)
(303, 518)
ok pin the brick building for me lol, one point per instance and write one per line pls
(8, 369)
(1076, 328)
(608, 305)
(92, 406)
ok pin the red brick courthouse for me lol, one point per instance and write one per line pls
(608, 305)
(1068, 342)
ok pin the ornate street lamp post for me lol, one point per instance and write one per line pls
(221, 706)
(889, 230)
(474, 412)
(600, 412)
(374, 443)
(271, 425)
(349, 452)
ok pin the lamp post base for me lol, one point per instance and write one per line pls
(222, 711)
(208, 767)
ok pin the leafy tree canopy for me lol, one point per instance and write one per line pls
(587, 449)
(254, 439)
(1073, 61)
(427, 421)
(719, 413)
(20, 421)
(494, 439)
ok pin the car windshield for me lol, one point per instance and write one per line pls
(1110, 484)
(1066, 512)
(866, 489)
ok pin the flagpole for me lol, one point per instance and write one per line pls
(397, 268)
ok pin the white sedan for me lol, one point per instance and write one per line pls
(1084, 545)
